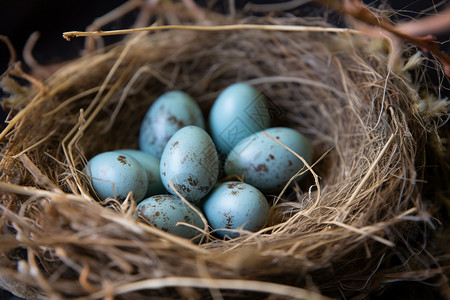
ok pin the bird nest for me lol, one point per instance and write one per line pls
(347, 229)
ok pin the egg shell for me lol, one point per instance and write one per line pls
(235, 205)
(190, 162)
(239, 111)
(165, 211)
(266, 164)
(170, 112)
(151, 166)
(115, 174)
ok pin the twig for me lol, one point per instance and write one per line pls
(360, 12)
(12, 53)
(17, 70)
(28, 56)
(72, 34)
(233, 284)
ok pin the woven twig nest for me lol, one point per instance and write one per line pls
(345, 233)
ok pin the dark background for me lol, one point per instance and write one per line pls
(20, 18)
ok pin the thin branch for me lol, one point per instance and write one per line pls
(72, 34)
(233, 284)
(360, 12)
(12, 53)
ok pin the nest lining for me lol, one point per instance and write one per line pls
(326, 238)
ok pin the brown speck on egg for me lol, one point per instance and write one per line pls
(228, 219)
(192, 182)
(232, 185)
(182, 187)
(261, 168)
(122, 159)
(174, 120)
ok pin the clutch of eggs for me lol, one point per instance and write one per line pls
(176, 151)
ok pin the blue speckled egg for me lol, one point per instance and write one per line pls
(235, 205)
(239, 111)
(165, 211)
(191, 162)
(151, 166)
(170, 112)
(266, 164)
(115, 174)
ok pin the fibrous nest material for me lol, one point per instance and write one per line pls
(355, 226)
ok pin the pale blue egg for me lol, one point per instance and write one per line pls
(235, 205)
(190, 162)
(266, 164)
(151, 166)
(170, 112)
(115, 174)
(239, 111)
(165, 211)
